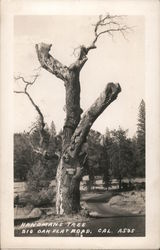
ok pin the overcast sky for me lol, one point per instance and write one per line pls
(114, 60)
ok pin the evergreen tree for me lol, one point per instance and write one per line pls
(141, 138)
(52, 129)
(94, 156)
(105, 161)
(22, 156)
(134, 170)
(120, 155)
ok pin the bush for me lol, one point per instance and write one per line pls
(45, 197)
(140, 186)
(36, 178)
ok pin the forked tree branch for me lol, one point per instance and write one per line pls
(105, 99)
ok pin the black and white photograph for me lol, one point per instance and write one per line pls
(79, 131)
(80, 125)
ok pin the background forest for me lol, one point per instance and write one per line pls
(112, 155)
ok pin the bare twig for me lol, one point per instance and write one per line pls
(108, 24)
(28, 83)
(19, 92)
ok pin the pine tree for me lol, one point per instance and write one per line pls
(120, 155)
(22, 156)
(53, 129)
(106, 142)
(141, 138)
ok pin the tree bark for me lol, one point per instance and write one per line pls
(68, 187)
(72, 106)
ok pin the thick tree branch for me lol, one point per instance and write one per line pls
(49, 63)
(107, 97)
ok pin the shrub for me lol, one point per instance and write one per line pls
(44, 197)
(36, 178)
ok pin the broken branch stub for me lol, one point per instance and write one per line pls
(49, 63)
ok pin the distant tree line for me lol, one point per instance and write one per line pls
(112, 155)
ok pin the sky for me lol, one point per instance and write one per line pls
(115, 60)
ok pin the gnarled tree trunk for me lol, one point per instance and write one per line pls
(76, 129)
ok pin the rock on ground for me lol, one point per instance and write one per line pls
(133, 201)
(35, 213)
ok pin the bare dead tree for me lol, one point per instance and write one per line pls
(76, 128)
